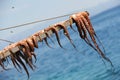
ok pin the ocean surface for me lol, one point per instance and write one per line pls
(84, 64)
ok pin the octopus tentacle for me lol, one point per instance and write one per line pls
(94, 41)
(2, 64)
(40, 39)
(45, 39)
(70, 20)
(27, 53)
(89, 30)
(22, 55)
(31, 47)
(66, 33)
(25, 48)
(78, 24)
(35, 42)
(86, 39)
(1, 61)
(39, 35)
(86, 23)
(17, 61)
(28, 59)
(5, 59)
(30, 43)
(14, 61)
(83, 32)
(46, 33)
(34, 56)
(22, 63)
(100, 42)
(56, 33)
(86, 15)
(83, 28)
(57, 36)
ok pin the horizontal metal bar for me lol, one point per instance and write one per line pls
(5, 53)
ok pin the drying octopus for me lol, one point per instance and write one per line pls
(55, 31)
(85, 30)
(24, 55)
(41, 32)
(28, 45)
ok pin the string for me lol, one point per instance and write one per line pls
(6, 41)
(37, 21)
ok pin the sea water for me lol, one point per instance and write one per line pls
(81, 64)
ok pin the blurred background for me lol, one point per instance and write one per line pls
(69, 64)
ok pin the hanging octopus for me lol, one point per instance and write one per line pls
(66, 33)
(2, 60)
(54, 30)
(85, 30)
(38, 34)
(24, 55)
(27, 46)
(5, 59)
(48, 36)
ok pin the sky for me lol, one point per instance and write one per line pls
(15, 12)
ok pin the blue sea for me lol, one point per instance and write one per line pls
(85, 64)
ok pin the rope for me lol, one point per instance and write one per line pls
(34, 22)
(6, 41)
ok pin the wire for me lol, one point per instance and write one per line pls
(6, 41)
(34, 22)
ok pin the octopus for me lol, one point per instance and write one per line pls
(54, 30)
(35, 41)
(47, 36)
(27, 46)
(38, 34)
(66, 33)
(2, 62)
(24, 55)
(70, 21)
(5, 59)
(85, 30)
(27, 52)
